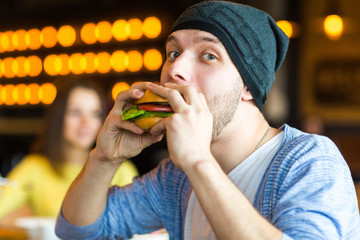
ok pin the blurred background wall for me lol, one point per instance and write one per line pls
(118, 43)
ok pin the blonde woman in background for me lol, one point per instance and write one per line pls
(43, 177)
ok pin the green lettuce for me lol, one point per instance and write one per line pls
(134, 114)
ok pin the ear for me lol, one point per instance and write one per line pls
(246, 95)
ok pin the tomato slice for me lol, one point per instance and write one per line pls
(155, 108)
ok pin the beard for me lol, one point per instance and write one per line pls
(223, 108)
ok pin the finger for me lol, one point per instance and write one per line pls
(115, 122)
(189, 93)
(175, 98)
(123, 98)
(140, 85)
(158, 128)
(203, 101)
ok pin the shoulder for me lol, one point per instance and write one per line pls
(300, 148)
(33, 162)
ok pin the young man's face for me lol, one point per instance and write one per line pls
(198, 58)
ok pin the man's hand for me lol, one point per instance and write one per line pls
(189, 129)
(119, 139)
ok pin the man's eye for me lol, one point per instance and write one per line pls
(173, 54)
(209, 56)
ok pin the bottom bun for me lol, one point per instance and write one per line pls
(147, 123)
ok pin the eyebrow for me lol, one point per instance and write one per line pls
(197, 39)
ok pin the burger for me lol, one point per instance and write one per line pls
(148, 110)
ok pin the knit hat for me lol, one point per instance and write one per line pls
(255, 43)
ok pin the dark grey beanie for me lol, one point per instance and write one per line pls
(255, 43)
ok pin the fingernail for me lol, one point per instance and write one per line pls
(138, 92)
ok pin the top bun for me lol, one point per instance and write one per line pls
(150, 97)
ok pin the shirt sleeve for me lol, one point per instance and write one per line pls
(133, 209)
(317, 201)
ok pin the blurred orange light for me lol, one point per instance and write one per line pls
(103, 31)
(119, 61)
(49, 36)
(121, 30)
(18, 40)
(135, 61)
(19, 94)
(152, 59)
(90, 62)
(286, 27)
(49, 65)
(33, 66)
(32, 93)
(6, 41)
(66, 36)
(7, 94)
(333, 26)
(136, 29)
(1, 46)
(119, 87)
(19, 64)
(1, 101)
(8, 70)
(47, 93)
(87, 33)
(102, 62)
(15, 67)
(33, 39)
(1, 68)
(57, 64)
(152, 27)
(64, 62)
(77, 63)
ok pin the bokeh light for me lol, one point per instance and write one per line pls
(135, 61)
(87, 33)
(119, 87)
(33, 39)
(7, 94)
(77, 63)
(119, 61)
(121, 30)
(47, 93)
(102, 62)
(136, 29)
(49, 36)
(18, 40)
(33, 66)
(19, 94)
(90, 62)
(32, 93)
(152, 59)
(333, 26)
(66, 36)
(103, 31)
(152, 27)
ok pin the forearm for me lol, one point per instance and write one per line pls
(228, 211)
(86, 199)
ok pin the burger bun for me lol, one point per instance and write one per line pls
(147, 123)
(150, 97)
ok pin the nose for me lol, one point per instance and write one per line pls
(85, 120)
(180, 70)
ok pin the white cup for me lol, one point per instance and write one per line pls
(38, 228)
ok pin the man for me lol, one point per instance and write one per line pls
(230, 175)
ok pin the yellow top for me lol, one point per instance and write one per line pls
(43, 189)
